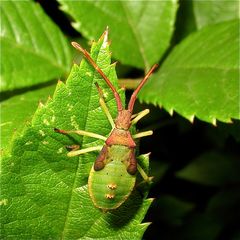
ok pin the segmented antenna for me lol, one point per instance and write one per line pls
(136, 91)
(91, 61)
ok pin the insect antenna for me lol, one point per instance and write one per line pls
(134, 95)
(91, 61)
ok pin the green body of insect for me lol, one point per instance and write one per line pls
(112, 185)
(113, 175)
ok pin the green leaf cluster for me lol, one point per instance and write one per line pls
(199, 77)
(44, 193)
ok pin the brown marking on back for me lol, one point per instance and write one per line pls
(109, 196)
(112, 186)
(101, 159)
(132, 167)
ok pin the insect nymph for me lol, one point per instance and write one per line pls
(113, 175)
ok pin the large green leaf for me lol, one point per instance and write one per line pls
(212, 11)
(18, 110)
(201, 76)
(45, 193)
(33, 49)
(136, 27)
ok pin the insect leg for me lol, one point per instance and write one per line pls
(134, 95)
(85, 150)
(144, 175)
(82, 133)
(104, 106)
(142, 134)
(138, 116)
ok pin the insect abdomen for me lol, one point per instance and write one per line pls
(112, 185)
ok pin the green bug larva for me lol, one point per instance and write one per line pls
(113, 175)
(116, 183)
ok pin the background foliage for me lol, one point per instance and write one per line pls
(195, 150)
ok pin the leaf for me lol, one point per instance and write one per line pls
(185, 22)
(33, 49)
(212, 11)
(140, 31)
(200, 76)
(212, 169)
(16, 111)
(44, 192)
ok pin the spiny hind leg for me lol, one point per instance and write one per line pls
(74, 148)
(143, 185)
(74, 153)
(104, 105)
(81, 133)
(144, 175)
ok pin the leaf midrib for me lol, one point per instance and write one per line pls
(135, 33)
(77, 170)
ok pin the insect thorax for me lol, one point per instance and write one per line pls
(120, 137)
